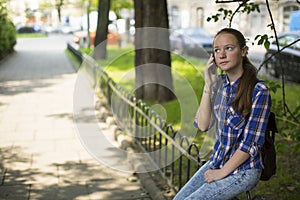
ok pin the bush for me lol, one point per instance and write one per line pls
(8, 34)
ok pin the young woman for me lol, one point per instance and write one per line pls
(238, 105)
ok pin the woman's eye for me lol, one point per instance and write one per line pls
(217, 50)
(229, 48)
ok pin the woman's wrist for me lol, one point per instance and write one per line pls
(206, 89)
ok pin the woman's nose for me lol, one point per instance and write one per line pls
(222, 54)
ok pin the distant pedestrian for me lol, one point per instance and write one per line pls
(238, 106)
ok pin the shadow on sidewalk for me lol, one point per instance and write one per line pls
(68, 180)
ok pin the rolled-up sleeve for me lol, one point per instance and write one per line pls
(254, 132)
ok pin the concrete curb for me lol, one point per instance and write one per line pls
(125, 143)
(145, 178)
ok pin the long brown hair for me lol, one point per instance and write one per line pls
(242, 102)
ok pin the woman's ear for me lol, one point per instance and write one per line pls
(245, 51)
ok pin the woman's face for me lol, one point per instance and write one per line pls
(228, 54)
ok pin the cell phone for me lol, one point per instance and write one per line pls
(213, 55)
(214, 67)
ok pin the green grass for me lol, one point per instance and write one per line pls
(120, 67)
(74, 60)
(292, 92)
(31, 35)
(285, 184)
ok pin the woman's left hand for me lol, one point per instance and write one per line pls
(213, 175)
(210, 73)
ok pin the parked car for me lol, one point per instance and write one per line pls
(28, 29)
(192, 41)
(67, 29)
(80, 37)
(289, 57)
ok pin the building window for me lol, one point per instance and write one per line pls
(286, 15)
(200, 17)
(258, 21)
(175, 18)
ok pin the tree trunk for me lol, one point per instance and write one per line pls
(59, 14)
(100, 42)
(152, 56)
(58, 6)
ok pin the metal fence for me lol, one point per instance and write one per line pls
(174, 157)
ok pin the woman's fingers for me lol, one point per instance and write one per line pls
(208, 176)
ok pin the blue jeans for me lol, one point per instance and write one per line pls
(196, 188)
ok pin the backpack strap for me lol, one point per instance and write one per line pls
(271, 126)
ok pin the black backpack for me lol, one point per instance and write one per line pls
(268, 151)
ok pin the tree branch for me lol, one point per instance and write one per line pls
(285, 106)
(230, 1)
(280, 60)
(236, 11)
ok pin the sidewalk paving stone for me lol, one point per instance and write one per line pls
(41, 155)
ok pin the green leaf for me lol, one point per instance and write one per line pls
(256, 37)
(267, 44)
(265, 36)
(216, 18)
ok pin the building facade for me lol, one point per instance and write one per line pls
(44, 11)
(182, 13)
(194, 13)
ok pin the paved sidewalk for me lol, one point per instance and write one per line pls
(41, 155)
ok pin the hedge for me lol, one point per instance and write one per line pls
(8, 33)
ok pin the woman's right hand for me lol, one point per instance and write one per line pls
(210, 73)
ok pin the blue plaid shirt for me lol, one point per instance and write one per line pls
(233, 131)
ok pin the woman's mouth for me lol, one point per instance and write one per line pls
(223, 63)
